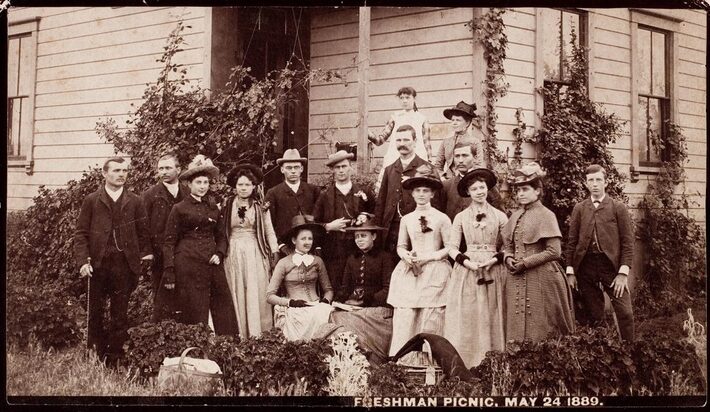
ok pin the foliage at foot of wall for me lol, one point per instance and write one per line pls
(575, 133)
(675, 243)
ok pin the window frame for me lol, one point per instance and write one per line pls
(582, 36)
(27, 30)
(669, 26)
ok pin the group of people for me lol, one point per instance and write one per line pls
(430, 253)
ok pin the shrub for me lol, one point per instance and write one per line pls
(575, 133)
(349, 369)
(42, 312)
(149, 343)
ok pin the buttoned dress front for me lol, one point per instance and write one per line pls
(299, 281)
(474, 313)
(539, 300)
(419, 301)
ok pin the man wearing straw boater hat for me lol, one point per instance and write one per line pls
(394, 201)
(111, 244)
(461, 117)
(291, 197)
(340, 205)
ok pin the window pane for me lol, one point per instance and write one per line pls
(13, 122)
(570, 22)
(26, 65)
(13, 58)
(642, 129)
(658, 65)
(644, 62)
(551, 43)
(655, 126)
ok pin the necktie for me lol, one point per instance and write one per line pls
(299, 259)
(596, 246)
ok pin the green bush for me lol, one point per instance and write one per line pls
(41, 312)
(575, 133)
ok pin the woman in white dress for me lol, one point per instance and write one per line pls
(252, 242)
(409, 115)
(301, 311)
(474, 304)
(418, 283)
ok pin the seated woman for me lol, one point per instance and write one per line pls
(418, 286)
(301, 311)
(365, 285)
(474, 307)
(538, 299)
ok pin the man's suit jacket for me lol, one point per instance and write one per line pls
(284, 204)
(614, 232)
(392, 194)
(453, 202)
(158, 202)
(445, 156)
(94, 228)
(324, 209)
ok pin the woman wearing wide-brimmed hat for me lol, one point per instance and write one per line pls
(474, 304)
(252, 249)
(301, 311)
(537, 297)
(195, 245)
(418, 283)
(461, 117)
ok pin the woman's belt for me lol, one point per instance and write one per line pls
(489, 248)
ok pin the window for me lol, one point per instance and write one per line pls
(653, 89)
(21, 67)
(652, 82)
(558, 26)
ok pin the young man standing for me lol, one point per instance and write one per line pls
(158, 200)
(291, 197)
(599, 250)
(110, 245)
(340, 205)
(393, 201)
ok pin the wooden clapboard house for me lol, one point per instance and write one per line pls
(68, 67)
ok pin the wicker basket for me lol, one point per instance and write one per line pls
(421, 368)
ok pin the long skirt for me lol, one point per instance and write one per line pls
(474, 313)
(301, 323)
(248, 277)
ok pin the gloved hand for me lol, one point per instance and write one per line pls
(297, 303)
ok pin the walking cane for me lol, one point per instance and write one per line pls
(88, 297)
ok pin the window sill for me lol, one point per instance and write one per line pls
(13, 163)
(636, 171)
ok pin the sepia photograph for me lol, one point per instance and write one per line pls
(356, 205)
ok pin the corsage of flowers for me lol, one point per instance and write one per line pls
(424, 224)
(361, 195)
(479, 224)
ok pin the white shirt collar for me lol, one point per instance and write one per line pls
(173, 188)
(114, 194)
(293, 187)
(406, 163)
(601, 199)
(300, 258)
(344, 187)
(199, 199)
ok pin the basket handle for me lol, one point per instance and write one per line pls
(182, 356)
(426, 348)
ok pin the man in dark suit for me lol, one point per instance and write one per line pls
(340, 205)
(111, 245)
(599, 250)
(393, 201)
(291, 197)
(158, 200)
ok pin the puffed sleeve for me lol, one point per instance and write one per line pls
(277, 278)
(403, 237)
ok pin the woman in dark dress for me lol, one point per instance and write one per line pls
(195, 245)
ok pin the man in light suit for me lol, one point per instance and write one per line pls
(461, 117)
(393, 201)
(599, 250)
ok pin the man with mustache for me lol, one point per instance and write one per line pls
(393, 201)
(158, 201)
(111, 243)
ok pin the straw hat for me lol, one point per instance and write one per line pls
(337, 157)
(527, 174)
(200, 164)
(291, 155)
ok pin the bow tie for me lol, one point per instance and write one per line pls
(299, 259)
